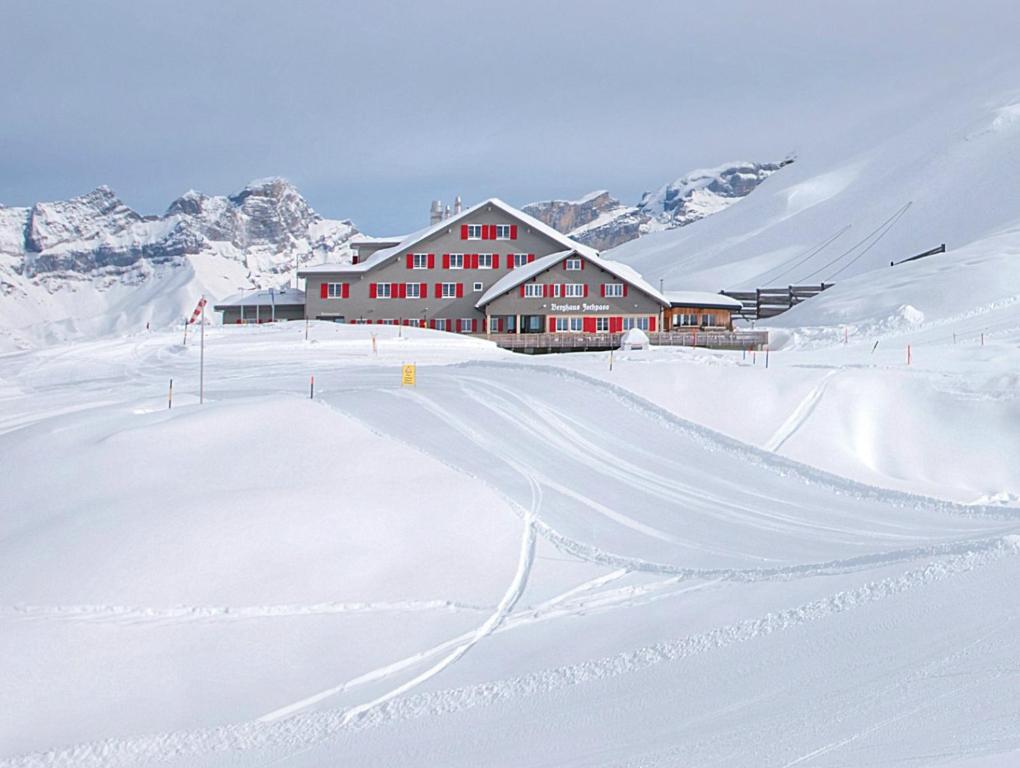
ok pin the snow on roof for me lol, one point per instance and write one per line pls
(701, 299)
(384, 254)
(264, 297)
(522, 274)
(364, 239)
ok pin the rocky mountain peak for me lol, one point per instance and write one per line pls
(601, 221)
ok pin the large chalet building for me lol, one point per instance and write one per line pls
(491, 269)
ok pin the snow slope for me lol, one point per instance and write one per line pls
(514, 553)
(937, 170)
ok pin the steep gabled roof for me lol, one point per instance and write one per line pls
(407, 244)
(520, 275)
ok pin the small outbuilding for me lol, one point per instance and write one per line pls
(700, 309)
(263, 306)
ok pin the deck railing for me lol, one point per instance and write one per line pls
(565, 342)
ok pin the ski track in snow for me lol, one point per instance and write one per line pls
(292, 728)
(800, 414)
(140, 614)
(304, 730)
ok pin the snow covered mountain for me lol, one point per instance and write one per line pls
(603, 222)
(91, 264)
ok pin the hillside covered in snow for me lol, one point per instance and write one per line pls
(603, 222)
(92, 265)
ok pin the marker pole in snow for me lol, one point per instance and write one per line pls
(610, 359)
(311, 387)
(766, 355)
(846, 335)
(185, 331)
(908, 354)
(982, 339)
(170, 396)
(201, 357)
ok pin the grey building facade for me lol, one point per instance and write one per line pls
(488, 269)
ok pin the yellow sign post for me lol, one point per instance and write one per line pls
(407, 375)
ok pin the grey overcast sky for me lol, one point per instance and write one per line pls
(373, 109)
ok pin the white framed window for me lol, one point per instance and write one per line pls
(520, 259)
(474, 231)
(613, 290)
(478, 287)
(574, 290)
(485, 261)
(686, 319)
(449, 291)
(562, 324)
(413, 290)
(334, 290)
(388, 321)
(440, 324)
(635, 322)
(534, 291)
(502, 231)
(573, 265)
(601, 324)
(456, 261)
(707, 320)
(556, 290)
(383, 290)
(466, 325)
(420, 261)
(576, 323)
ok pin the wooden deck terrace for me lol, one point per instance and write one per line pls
(542, 343)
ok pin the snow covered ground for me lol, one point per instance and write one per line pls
(687, 560)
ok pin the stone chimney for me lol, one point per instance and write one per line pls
(436, 212)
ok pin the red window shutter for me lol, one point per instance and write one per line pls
(615, 324)
(522, 290)
(588, 324)
(495, 261)
(474, 325)
(509, 261)
(324, 291)
(439, 290)
(492, 232)
(432, 261)
(552, 324)
(371, 290)
(603, 288)
(586, 290)
(563, 290)
(582, 265)
(402, 290)
(410, 261)
(446, 261)
(463, 232)
(564, 263)
(531, 257)
(460, 290)
(346, 291)
(423, 289)
(625, 290)
(432, 323)
(651, 323)
(513, 231)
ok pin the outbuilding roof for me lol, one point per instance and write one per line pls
(265, 297)
(522, 274)
(704, 299)
(384, 254)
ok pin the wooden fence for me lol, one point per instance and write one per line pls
(769, 302)
(538, 343)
